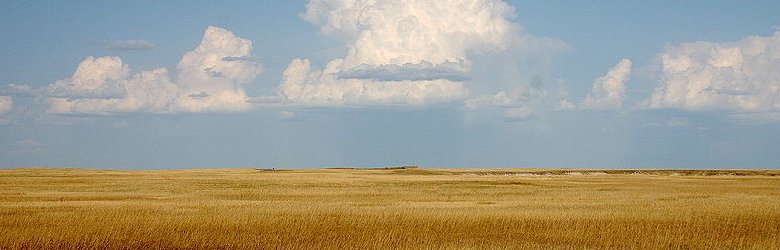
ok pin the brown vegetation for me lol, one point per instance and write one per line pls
(389, 208)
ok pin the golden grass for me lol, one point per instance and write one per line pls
(393, 208)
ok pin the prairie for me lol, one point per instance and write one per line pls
(389, 208)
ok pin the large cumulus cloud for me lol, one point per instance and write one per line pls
(217, 70)
(410, 31)
(737, 76)
(399, 52)
(209, 79)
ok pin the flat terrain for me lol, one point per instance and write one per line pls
(389, 208)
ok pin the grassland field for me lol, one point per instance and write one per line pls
(410, 208)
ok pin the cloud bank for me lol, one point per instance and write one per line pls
(409, 52)
(737, 76)
(206, 82)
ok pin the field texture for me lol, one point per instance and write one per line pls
(389, 208)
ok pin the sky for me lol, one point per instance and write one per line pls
(346, 83)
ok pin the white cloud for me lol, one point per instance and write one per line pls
(304, 86)
(216, 72)
(6, 104)
(95, 78)
(609, 90)
(148, 91)
(409, 52)
(518, 112)
(516, 104)
(738, 76)
(17, 90)
(210, 79)
(221, 61)
(566, 105)
(130, 45)
(500, 99)
(410, 31)
(286, 114)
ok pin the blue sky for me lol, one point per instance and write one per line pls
(462, 83)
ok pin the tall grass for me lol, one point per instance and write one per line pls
(396, 208)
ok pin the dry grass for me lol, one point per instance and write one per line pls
(393, 208)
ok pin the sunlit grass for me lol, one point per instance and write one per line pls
(404, 208)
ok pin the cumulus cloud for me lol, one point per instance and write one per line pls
(206, 82)
(306, 86)
(130, 45)
(219, 52)
(17, 90)
(408, 52)
(6, 103)
(609, 90)
(516, 104)
(148, 91)
(216, 71)
(410, 31)
(501, 99)
(566, 104)
(95, 78)
(741, 76)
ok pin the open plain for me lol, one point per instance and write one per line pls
(389, 208)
